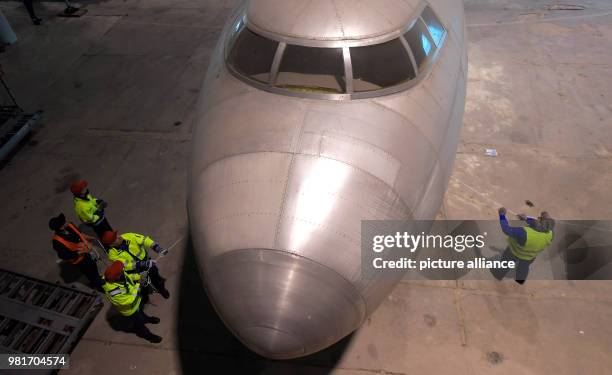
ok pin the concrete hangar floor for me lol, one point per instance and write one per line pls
(119, 85)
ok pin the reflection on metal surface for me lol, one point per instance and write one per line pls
(280, 304)
(279, 184)
(316, 198)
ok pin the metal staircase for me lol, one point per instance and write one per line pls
(37, 317)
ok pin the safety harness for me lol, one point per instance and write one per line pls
(72, 246)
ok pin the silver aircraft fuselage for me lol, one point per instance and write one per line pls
(287, 159)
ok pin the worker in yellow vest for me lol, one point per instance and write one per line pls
(123, 291)
(131, 249)
(89, 209)
(524, 243)
(74, 247)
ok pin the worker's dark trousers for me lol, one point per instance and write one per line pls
(30, 8)
(522, 267)
(159, 283)
(101, 226)
(90, 270)
(138, 321)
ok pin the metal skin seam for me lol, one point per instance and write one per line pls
(297, 255)
(400, 199)
(340, 42)
(292, 253)
(295, 147)
(448, 121)
(437, 152)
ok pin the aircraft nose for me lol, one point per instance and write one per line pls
(277, 240)
(282, 305)
(267, 340)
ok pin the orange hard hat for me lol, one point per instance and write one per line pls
(109, 237)
(114, 271)
(77, 187)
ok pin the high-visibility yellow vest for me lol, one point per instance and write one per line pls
(137, 250)
(124, 294)
(536, 242)
(86, 209)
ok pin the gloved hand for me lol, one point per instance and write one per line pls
(502, 211)
(522, 217)
(160, 250)
(101, 203)
(144, 265)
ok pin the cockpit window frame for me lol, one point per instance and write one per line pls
(420, 73)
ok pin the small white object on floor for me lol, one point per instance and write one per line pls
(491, 152)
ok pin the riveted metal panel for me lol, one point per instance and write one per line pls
(236, 202)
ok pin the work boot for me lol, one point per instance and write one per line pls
(152, 320)
(70, 10)
(164, 292)
(153, 338)
(36, 21)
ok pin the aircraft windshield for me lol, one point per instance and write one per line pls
(314, 69)
(384, 67)
(252, 55)
(381, 65)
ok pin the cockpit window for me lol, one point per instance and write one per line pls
(436, 30)
(308, 69)
(380, 65)
(338, 70)
(420, 44)
(252, 55)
